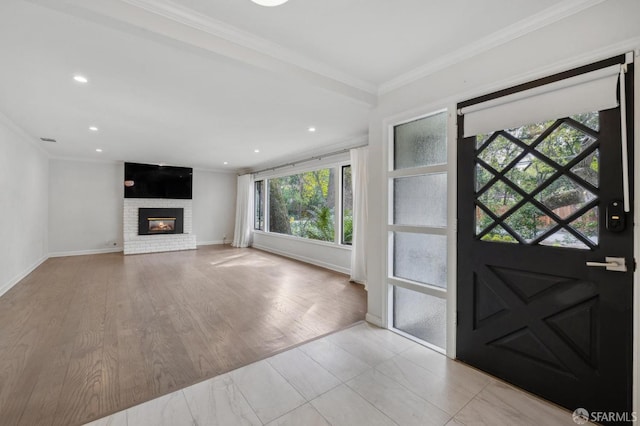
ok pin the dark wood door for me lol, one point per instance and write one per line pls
(532, 208)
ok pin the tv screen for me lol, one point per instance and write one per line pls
(153, 181)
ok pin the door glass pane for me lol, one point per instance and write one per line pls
(588, 168)
(421, 142)
(421, 258)
(420, 200)
(499, 235)
(499, 198)
(529, 222)
(500, 152)
(565, 143)
(564, 196)
(420, 315)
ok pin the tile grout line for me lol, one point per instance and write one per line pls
(253, 410)
(471, 400)
(195, 422)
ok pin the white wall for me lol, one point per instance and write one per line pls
(214, 206)
(602, 31)
(85, 207)
(23, 203)
(327, 255)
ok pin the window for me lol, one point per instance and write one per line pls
(314, 204)
(418, 229)
(347, 206)
(303, 205)
(258, 217)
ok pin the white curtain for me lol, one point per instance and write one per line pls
(359, 167)
(244, 211)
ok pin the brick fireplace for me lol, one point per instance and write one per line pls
(166, 225)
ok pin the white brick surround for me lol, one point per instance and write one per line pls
(136, 244)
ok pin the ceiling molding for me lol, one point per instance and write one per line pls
(164, 21)
(202, 22)
(535, 22)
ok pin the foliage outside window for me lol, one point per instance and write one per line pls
(347, 206)
(303, 205)
(259, 198)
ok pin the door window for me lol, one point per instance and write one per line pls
(538, 183)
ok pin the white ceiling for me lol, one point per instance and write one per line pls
(201, 82)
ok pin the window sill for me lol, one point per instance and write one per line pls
(303, 240)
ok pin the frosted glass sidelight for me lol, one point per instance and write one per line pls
(420, 315)
(421, 142)
(421, 258)
(420, 200)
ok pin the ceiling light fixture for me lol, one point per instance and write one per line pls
(93, 128)
(312, 129)
(98, 150)
(80, 78)
(225, 163)
(269, 3)
(256, 151)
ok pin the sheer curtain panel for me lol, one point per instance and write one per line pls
(244, 212)
(359, 167)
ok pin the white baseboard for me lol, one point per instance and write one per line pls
(211, 243)
(374, 320)
(85, 252)
(15, 280)
(305, 259)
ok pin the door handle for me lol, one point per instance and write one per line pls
(611, 264)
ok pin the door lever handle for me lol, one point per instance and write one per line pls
(611, 264)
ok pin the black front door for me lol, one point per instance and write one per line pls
(532, 211)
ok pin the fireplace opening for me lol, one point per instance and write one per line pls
(160, 221)
(162, 224)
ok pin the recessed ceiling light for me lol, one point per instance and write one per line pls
(256, 150)
(312, 129)
(269, 3)
(225, 163)
(80, 78)
(93, 128)
(98, 150)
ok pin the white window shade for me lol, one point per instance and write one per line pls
(593, 91)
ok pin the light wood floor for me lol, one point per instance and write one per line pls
(82, 337)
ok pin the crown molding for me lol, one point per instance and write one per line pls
(189, 17)
(540, 20)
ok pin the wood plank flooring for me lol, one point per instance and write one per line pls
(82, 337)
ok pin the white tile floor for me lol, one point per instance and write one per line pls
(359, 376)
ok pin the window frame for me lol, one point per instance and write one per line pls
(259, 205)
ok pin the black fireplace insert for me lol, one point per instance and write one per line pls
(160, 221)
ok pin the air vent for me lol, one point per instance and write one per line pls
(48, 140)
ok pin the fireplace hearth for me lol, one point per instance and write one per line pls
(153, 221)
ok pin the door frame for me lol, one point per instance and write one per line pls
(450, 104)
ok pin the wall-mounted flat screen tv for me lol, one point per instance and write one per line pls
(154, 181)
